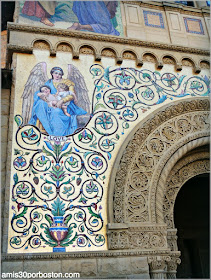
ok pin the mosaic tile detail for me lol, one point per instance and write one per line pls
(193, 25)
(153, 19)
(58, 182)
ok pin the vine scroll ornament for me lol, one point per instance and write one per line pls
(59, 183)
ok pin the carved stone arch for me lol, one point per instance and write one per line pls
(186, 145)
(164, 122)
(204, 64)
(87, 49)
(42, 44)
(165, 165)
(64, 47)
(152, 57)
(169, 59)
(108, 52)
(149, 57)
(187, 61)
(129, 54)
(164, 142)
(194, 163)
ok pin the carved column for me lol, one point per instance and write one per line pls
(158, 266)
(172, 239)
(172, 267)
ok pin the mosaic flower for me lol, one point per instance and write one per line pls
(196, 85)
(57, 173)
(124, 78)
(115, 100)
(104, 121)
(22, 189)
(29, 134)
(97, 162)
(42, 160)
(169, 79)
(91, 187)
(84, 135)
(128, 113)
(73, 162)
(19, 162)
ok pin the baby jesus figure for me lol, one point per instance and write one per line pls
(52, 99)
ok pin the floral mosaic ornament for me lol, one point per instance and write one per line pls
(58, 187)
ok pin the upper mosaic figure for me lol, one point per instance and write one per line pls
(94, 16)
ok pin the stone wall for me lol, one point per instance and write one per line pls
(107, 267)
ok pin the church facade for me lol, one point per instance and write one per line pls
(104, 126)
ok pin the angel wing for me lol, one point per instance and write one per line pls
(37, 78)
(81, 90)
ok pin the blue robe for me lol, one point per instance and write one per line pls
(96, 14)
(54, 121)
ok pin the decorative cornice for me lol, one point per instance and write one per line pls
(157, 6)
(20, 49)
(103, 254)
(183, 11)
(170, 7)
(100, 37)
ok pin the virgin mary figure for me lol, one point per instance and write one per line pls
(52, 120)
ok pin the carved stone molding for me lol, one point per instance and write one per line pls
(137, 168)
(149, 237)
(102, 38)
(91, 254)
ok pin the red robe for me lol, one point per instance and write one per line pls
(34, 8)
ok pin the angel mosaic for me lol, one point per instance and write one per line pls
(57, 106)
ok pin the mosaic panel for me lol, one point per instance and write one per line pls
(153, 19)
(63, 155)
(193, 25)
(93, 16)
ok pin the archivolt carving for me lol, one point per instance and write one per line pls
(141, 165)
(191, 166)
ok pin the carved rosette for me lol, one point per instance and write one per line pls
(118, 239)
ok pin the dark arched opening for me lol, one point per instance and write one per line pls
(191, 215)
